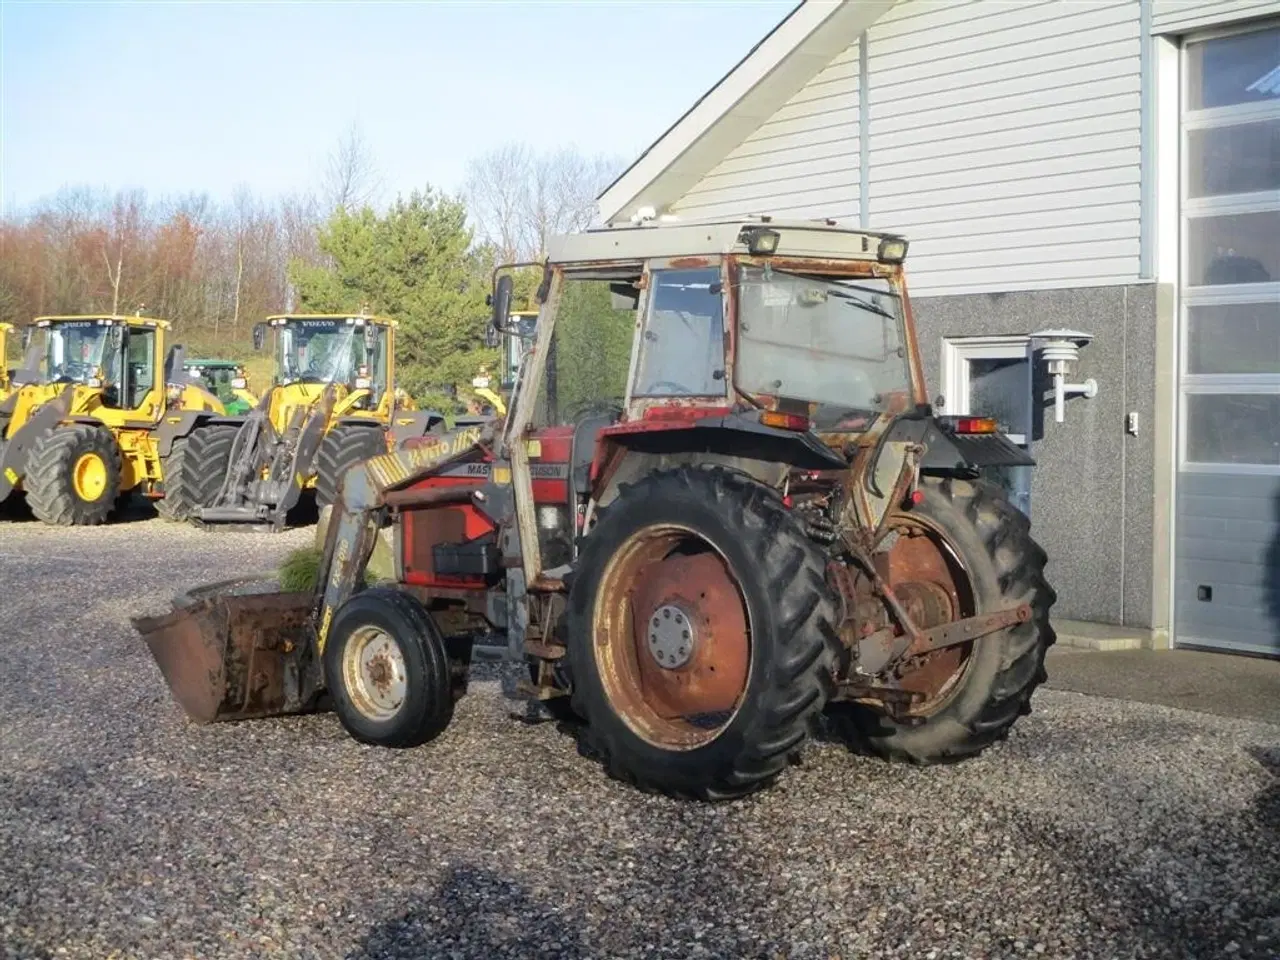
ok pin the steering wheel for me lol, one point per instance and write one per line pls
(678, 389)
(585, 408)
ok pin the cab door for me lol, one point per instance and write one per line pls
(141, 392)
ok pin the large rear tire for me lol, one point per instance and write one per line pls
(711, 691)
(387, 670)
(195, 469)
(342, 448)
(73, 476)
(991, 686)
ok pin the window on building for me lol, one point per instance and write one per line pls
(991, 377)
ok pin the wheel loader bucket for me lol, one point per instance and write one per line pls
(237, 650)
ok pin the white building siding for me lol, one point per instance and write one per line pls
(1182, 16)
(802, 162)
(1014, 127)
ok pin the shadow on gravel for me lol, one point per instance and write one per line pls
(476, 913)
(1202, 891)
(130, 509)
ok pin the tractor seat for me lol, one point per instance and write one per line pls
(583, 450)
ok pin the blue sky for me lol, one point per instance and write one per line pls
(184, 96)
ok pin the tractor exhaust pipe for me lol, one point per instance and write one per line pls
(237, 650)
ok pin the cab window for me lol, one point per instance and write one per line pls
(682, 348)
(141, 365)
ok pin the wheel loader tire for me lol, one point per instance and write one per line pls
(342, 448)
(748, 585)
(387, 670)
(1006, 566)
(195, 469)
(73, 475)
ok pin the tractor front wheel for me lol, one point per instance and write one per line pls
(73, 475)
(701, 635)
(387, 670)
(195, 470)
(965, 550)
(342, 448)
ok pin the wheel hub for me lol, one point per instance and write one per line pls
(89, 477)
(672, 636)
(375, 673)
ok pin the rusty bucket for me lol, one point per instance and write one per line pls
(237, 650)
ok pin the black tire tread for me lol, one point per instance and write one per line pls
(342, 448)
(803, 676)
(48, 484)
(1019, 563)
(195, 469)
(434, 713)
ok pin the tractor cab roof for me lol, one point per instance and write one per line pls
(280, 320)
(105, 319)
(744, 236)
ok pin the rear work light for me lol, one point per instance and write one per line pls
(784, 421)
(975, 425)
(892, 250)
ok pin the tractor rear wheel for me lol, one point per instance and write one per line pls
(342, 448)
(195, 469)
(702, 639)
(73, 475)
(970, 552)
(387, 670)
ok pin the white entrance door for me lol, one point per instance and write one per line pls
(991, 377)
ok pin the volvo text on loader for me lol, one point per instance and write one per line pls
(720, 507)
(94, 415)
(333, 402)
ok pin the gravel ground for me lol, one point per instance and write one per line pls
(1101, 829)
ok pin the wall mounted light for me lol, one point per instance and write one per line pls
(1060, 349)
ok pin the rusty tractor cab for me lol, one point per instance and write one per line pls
(719, 508)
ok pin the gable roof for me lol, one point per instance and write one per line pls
(773, 72)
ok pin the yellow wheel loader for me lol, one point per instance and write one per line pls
(332, 403)
(94, 415)
(6, 333)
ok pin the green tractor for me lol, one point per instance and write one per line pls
(226, 379)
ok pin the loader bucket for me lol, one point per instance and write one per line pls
(237, 650)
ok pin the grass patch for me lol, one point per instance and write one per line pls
(301, 568)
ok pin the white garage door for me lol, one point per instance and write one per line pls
(1227, 548)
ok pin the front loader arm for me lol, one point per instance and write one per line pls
(359, 511)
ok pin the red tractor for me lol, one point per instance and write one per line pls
(719, 508)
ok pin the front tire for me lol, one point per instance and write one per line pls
(715, 692)
(992, 687)
(73, 476)
(195, 469)
(342, 448)
(387, 670)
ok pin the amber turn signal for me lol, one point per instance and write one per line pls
(784, 421)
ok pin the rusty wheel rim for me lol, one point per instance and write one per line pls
(373, 671)
(672, 638)
(926, 574)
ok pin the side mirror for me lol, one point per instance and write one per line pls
(491, 336)
(501, 302)
(259, 335)
(26, 338)
(370, 337)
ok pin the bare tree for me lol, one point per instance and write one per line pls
(519, 199)
(351, 178)
(125, 224)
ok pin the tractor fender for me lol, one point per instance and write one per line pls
(948, 453)
(406, 424)
(14, 452)
(177, 425)
(735, 442)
